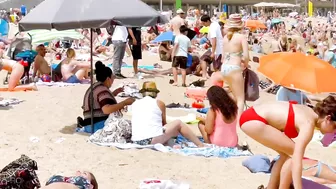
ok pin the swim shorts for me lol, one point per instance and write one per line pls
(73, 79)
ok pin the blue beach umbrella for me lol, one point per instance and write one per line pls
(165, 36)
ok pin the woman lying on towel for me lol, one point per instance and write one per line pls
(104, 101)
(149, 125)
(316, 170)
(73, 71)
(219, 126)
(16, 70)
(81, 180)
(275, 124)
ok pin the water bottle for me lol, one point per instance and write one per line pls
(23, 10)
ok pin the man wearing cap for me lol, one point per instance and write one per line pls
(330, 56)
(177, 22)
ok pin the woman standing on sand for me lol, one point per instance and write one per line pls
(235, 55)
(268, 124)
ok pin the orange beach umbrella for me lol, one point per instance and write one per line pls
(299, 71)
(254, 24)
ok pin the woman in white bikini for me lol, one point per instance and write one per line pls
(235, 56)
(73, 71)
(16, 70)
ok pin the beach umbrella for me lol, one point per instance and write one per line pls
(65, 14)
(165, 36)
(299, 71)
(204, 30)
(42, 36)
(255, 24)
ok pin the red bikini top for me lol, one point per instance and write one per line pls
(290, 129)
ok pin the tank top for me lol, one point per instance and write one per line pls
(224, 134)
(146, 119)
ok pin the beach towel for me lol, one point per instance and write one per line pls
(162, 184)
(309, 184)
(321, 139)
(59, 84)
(130, 90)
(124, 65)
(20, 174)
(9, 102)
(188, 119)
(258, 164)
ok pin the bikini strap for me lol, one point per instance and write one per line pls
(319, 169)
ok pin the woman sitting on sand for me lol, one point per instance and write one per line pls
(165, 51)
(104, 102)
(149, 125)
(81, 180)
(235, 55)
(268, 124)
(17, 70)
(73, 71)
(219, 126)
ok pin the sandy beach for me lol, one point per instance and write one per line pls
(50, 114)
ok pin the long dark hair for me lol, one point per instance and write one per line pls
(220, 100)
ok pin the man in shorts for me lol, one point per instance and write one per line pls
(135, 46)
(182, 45)
(215, 36)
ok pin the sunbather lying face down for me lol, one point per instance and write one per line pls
(81, 180)
(280, 121)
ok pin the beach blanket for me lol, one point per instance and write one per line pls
(187, 149)
(188, 119)
(9, 102)
(130, 90)
(59, 84)
(124, 65)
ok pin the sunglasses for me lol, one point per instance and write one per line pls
(333, 116)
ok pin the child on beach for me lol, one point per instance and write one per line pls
(180, 54)
(219, 126)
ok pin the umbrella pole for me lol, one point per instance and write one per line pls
(91, 78)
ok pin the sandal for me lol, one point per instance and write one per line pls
(184, 85)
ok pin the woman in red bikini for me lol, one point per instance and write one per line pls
(275, 124)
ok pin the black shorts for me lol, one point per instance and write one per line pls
(136, 52)
(180, 61)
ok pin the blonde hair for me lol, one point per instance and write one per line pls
(231, 32)
(71, 53)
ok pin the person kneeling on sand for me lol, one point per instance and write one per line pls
(219, 126)
(149, 125)
(82, 180)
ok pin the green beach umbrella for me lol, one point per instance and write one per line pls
(42, 36)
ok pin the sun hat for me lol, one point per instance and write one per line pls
(149, 86)
(179, 11)
(234, 21)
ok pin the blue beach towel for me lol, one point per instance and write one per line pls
(88, 129)
(214, 151)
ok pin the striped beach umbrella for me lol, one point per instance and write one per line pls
(42, 36)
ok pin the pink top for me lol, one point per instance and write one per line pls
(224, 134)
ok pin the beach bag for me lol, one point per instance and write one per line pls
(251, 85)
(20, 174)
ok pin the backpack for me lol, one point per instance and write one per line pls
(251, 85)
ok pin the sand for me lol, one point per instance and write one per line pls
(50, 114)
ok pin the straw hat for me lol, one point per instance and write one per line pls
(149, 86)
(234, 21)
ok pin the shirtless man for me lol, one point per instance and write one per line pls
(177, 22)
(41, 66)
